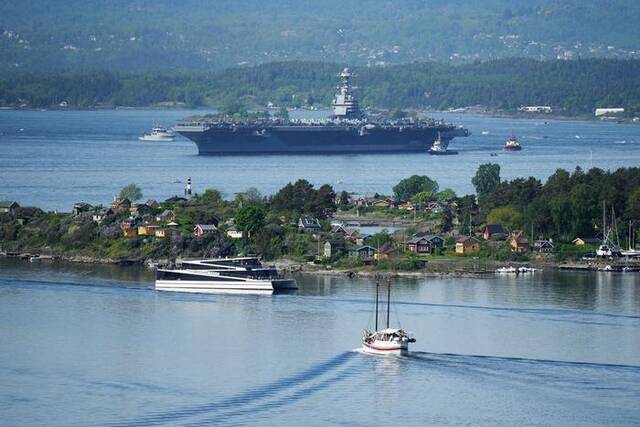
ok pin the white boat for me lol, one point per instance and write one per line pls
(440, 147)
(223, 275)
(526, 270)
(608, 250)
(158, 134)
(388, 341)
(507, 270)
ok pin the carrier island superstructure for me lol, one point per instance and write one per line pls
(348, 130)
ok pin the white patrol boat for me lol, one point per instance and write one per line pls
(388, 341)
(158, 134)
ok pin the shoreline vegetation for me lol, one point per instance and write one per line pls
(432, 231)
(573, 89)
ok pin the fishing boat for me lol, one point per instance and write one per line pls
(512, 144)
(388, 341)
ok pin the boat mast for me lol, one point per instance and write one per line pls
(377, 286)
(388, 301)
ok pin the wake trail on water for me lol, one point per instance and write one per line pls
(603, 382)
(428, 356)
(564, 313)
(252, 396)
(286, 400)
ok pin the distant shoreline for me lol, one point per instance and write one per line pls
(441, 268)
(478, 113)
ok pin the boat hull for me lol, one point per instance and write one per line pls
(315, 139)
(384, 348)
(156, 139)
(216, 287)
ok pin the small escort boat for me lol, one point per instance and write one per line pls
(158, 134)
(512, 144)
(440, 147)
(388, 341)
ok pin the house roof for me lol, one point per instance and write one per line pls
(424, 237)
(364, 248)
(594, 240)
(347, 230)
(206, 227)
(7, 204)
(464, 239)
(541, 243)
(176, 199)
(495, 229)
(309, 222)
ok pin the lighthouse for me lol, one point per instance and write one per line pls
(187, 190)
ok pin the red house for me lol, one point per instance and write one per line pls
(203, 229)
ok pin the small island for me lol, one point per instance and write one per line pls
(419, 229)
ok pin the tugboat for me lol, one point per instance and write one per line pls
(158, 134)
(388, 341)
(512, 144)
(440, 147)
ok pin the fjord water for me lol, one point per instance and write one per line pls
(85, 345)
(52, 159)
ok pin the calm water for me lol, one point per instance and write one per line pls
(97, 346)
(55, 158)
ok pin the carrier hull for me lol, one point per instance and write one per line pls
(297, 139)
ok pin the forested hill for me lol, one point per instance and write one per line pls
(571, 87)
(145, 35)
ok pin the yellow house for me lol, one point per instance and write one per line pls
(234, 233)
(147, 230)
(467, 245)
(130, 232)
(162, 233)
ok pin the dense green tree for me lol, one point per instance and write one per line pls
(633, 205)
(446, 195)
(212, 196)
(379, 239)
(446, 220)
(507, 216)
(486, 179)
(343, 203)
(131, 192)
(250, 219)
(324, 203)
(409, 187)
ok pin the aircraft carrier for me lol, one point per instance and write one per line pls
(348, 130)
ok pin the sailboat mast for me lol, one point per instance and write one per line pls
(604, 222)
(377, 287)
(388, 302)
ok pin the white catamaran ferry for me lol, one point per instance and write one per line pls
(388, 341)
(223, 275)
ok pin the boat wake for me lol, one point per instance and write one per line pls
(265, 397)
(569, 377)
